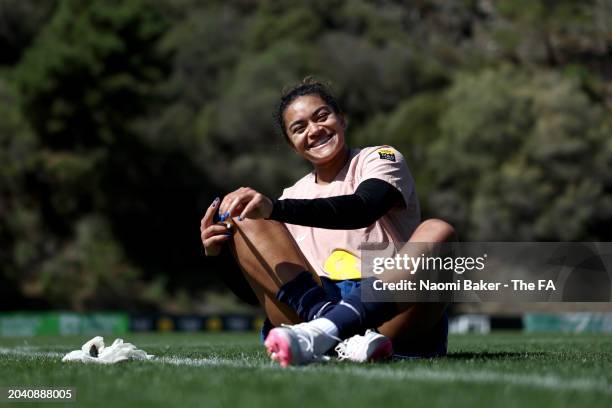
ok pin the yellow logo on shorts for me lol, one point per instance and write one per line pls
(342, 265)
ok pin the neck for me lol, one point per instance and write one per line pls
(327, 172)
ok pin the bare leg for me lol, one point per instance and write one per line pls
(269, 258)
(418, 319)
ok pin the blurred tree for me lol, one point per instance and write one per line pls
(20, 230)
(206, 44)
(94, 68)
(238, 142)
(120, 121)
(392, 71)
(552, 32)
(411, 128)
(20, 22)
(521, 156)
(569, 35)
(282, 21)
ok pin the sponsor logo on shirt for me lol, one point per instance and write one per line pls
(386, 154)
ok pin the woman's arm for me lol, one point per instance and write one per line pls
(372, 199)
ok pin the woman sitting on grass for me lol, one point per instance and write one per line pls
(300, 253)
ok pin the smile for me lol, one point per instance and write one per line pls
(321, 141)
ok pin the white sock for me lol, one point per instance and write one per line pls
(324, 343)
(326, 325)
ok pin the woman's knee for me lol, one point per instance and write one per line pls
(249, 226)
(265, 250)
(260, 230)
(438, 230)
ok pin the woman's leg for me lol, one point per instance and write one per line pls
(418, 320)
(269, 258)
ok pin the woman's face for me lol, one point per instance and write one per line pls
(316, 132)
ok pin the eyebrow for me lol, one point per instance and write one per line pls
(295, 122)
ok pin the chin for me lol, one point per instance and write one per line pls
(325, 157)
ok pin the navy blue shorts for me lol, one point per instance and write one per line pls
(432, 344)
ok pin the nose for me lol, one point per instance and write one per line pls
(315, 130)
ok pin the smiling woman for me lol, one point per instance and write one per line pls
(313, 124)
(300, 253)
(315, 131)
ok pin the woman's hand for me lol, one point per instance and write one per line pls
(245, 203)
(213, 235)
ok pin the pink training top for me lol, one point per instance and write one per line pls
(336, 253)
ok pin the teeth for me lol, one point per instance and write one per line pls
(321, 142)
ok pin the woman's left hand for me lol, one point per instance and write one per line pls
(246, 203)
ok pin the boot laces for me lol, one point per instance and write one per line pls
(350, 347)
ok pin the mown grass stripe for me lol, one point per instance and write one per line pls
(371, 372)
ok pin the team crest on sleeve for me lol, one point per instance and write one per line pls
(386, 154)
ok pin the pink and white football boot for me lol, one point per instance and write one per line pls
(299, 344)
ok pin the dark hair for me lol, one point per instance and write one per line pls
(308, 86)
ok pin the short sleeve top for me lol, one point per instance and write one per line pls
(336, 253)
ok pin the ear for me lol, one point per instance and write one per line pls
(343, 120)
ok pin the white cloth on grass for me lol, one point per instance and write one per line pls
(94, 351)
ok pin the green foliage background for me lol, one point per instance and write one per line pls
(120, 121)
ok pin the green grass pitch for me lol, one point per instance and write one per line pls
(232, 370)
